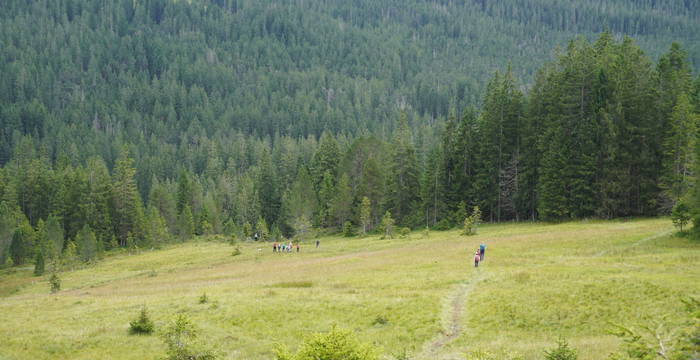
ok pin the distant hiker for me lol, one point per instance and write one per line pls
(297, 247)
(317, 242)
(290, 247)
(476, 259)
(274, 247)
(482, 251)
(255, 237)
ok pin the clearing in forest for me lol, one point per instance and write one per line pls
(423, 295)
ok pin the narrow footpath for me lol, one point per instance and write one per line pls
(453, 310)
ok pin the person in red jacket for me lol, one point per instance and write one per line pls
(476, 258)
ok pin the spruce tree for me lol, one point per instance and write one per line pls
(325, 159)
(365, 215)
(373, 186)
(39, 264)
(341, 206)
(128, 208)
(98, 209)
(300, 199)
(326, 194)
(262, 230)
(87, 244)
(403, 188)
(387, 226)
(22, 244)
(268, 190)
(184, 191)
(185, 224)
(678, 149)
(302, 227)
(432, 190)
(157, 228)
(54, 235)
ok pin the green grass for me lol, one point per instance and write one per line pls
(539, 281)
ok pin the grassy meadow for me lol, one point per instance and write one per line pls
(420, 294)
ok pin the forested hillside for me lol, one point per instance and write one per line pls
(129, 123)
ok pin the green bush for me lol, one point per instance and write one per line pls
(181, 339)
(348, 229)
(443, 225)
(142, 325)
(472, 221)
(333, 345)
(680, 215)
(388, 226)
(404, 232)
(55, 282)
(561, 352)
(236, 251)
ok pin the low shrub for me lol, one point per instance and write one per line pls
(380, 320)
(181, 338)
(561, 352)
(348, 229)
(443, 225)
(142, 325)
(333, 345)
(203, 299)
(55, 282)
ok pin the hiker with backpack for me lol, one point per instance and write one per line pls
(477, 258)
(482, 251)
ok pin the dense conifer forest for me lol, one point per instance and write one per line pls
(133, 123)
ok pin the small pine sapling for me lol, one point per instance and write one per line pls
(472, 221)
(387, 226)
(181, 338)
(680, 215)
(561, 352)
(348, 229)
(143, 324)
(39, 264)
(55, 282)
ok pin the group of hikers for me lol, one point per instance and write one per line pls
(282, 247)
(479, 255)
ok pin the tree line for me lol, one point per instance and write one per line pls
(603, 132)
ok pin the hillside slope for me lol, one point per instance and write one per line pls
(168, 68)
(538, 282)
